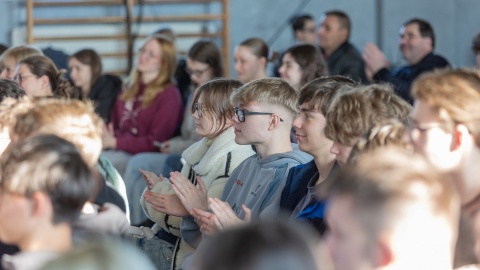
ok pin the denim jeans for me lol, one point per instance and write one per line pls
(157, 163)
(159, 251)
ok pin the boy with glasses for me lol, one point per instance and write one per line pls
(264, 112)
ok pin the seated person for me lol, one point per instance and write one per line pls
(44, 183)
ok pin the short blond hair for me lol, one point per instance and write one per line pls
(72, 120)
(273, 91)
(455, 94)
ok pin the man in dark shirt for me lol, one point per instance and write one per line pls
(341, 56)
(417, 41)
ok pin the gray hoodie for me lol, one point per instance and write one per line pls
(257, 183)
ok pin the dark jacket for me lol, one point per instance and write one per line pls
(347, 61)
(403, 77)
(104, 93)
(296, 185)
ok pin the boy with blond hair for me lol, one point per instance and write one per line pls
(264, 112)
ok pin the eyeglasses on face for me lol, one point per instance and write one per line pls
(240, 114)
(21, 78)
(197, 72)
(199, 109)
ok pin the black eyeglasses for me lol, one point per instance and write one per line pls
(197, 107)
(241, 114)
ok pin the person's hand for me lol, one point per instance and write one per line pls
(166, 203)
(225, 217)
(151, 178)
(190, 196)
(374, 59)
(165, 148)
(108, 140)
(206, 221)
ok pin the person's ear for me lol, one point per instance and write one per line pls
(274, 121)
(41, 204)
(459, 135)
(263, 61)
(45, 81)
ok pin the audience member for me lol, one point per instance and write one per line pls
(301, 64)
(264, 112)
(204, 63)
(76, 122)
(208, 163)
(12, 56)
(44, 183)
(150, 109)
(302, 196)
(392, 210)
(417, 42)
(354, 112)
(341, 56)
(251, 57)
(39, 77)
(86, 73)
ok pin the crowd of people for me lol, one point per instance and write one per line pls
(337, 160)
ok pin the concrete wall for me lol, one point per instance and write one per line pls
(455, 21)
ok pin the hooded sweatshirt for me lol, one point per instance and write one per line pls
(257, 183)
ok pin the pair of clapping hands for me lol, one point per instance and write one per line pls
(190, 200)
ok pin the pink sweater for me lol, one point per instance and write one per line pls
(136, 128)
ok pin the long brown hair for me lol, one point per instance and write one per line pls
(164, 78)
(90, 58)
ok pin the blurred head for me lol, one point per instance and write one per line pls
(85, 68)
(43, 180)
(392, 210)
(10, 88)
(445, 124)
(476, 49)
(417, 39)
(211, 107)
(156, 58)
(10, 92)
(12, 56)
(251, 57)
(266, 245)
(334, 30)
(39, 77)
(304, 30)
(315, 98)
(72, 120)
(354, 112)
(266, 106)
(204, 62)
(301, 64)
